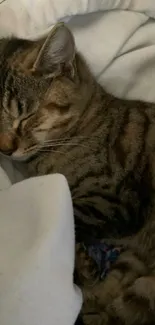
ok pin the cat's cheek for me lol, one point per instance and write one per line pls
(40, 136)
(41, 132)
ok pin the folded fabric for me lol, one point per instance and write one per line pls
(37, 253)
(28, 19)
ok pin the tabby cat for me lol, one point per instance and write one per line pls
(55, 118)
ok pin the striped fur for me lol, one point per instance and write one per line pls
(57, 119)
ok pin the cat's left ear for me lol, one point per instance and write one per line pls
(57, 53)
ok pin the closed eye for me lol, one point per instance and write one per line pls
(25, 119)
(21, 123)
(14, 108)
(20, 108)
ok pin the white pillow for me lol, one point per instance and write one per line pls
(30, 19)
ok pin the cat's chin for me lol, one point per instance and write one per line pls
(22, 157)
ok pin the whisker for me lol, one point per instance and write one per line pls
(56, 151)
(65, 144)
(31, 149)
(69, 139)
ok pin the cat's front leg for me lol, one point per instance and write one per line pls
(112, 298)
(124, 272)
(86, 269)
(126, 296)
(87, 277)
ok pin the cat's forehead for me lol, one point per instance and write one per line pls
(17, 84)
(11, 60)
(10, 46)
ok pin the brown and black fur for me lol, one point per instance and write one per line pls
(58, 119)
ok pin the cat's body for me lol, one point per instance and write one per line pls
(57, 118)
(106, 158)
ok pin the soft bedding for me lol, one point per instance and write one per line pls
(36, 220)
(37, 253)
(116, 36)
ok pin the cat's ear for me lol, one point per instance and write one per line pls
(57, 52)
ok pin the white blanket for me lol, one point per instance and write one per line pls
(37, 253)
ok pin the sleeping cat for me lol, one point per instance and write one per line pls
(55, 118)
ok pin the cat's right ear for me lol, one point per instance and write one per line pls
(56, 53)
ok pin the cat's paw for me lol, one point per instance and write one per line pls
(122, 276)
(85, 266)
(137, 303)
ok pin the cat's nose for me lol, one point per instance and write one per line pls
(8, 144)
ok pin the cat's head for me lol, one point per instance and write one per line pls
(39, 84)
